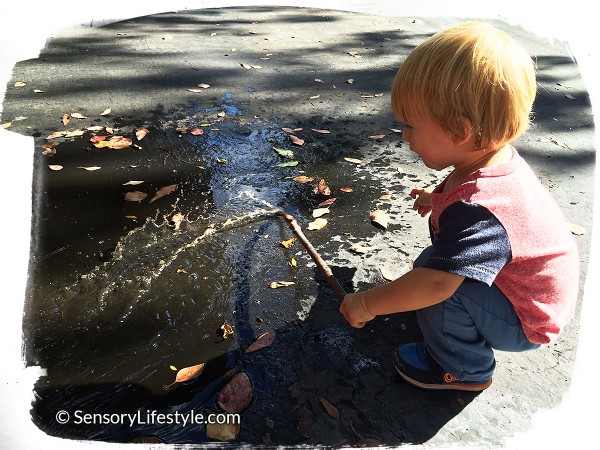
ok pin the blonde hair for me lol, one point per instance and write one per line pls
(470, 71)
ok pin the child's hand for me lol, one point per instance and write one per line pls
(354, 309)
(422, 203)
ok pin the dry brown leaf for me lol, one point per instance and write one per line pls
(56, 134)
(264, 340)
(353, 160)
(55, 167)
(377, 136)
(176, 220)
(140, 133)
(186, 374)
(288, 243)
(135, 196)
(237, 394)
(327, 202)
(321, 188)
(316, 130)
(115, 143)
(331, 410)
(317, 224)
(346, 189)
(65, 119)
(291, 130)
(50, 151)
(278, 284)
(227, 330)
(303, 179)
(223, 432)
(296, 140)
(98, 138)
(196, 131)
(133, 183)
(165, 190)
(306, 421)
(74, 133)
(379, 219)
(320, 212)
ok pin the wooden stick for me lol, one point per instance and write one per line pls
(321, 265)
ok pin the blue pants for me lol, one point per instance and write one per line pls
(461, 331)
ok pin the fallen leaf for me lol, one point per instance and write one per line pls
(346, 189)
(237, 394)
(173, 368)
(165, 190)
(65, 119)
(385, 197)
(176, 219)
(313, 97)
(361, 249)
(287, 164)
(569, 96)
(221, 161)
(317, 80)
(293, 262)
(227, 330)
(90, 168)
(5, 125)
(316, 130)
(20, 84)
(577, 230)
(354, 53)
(74, 133)
(106, 112)
(306, 421)
(50, 145)
(395, 130)
(264, 340)
(291, 130)
(285, 153)
(350, 81)
(353, 160)
(196, 131)
(288, 243)
(317, 224)
(132, 183)
(204, 85)
(331, 410)
(321, 188)
(55, 167)
(303, 179)
(98, 138)
(56, 134)
(278, 284)
(182, 130)
(223, 432)
(115, 143)
(296, 140)
(196, 91)
(379, 219)
(50, 151)
(37, 91)
(327, 202)
(377, 136)
(140, 133)
(320, 212)
(77, 115)
(186, 374)
(95, 128)
(246, 66)
(388, 274)
(135, 196)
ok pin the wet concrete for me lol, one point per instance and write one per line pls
(116, 295)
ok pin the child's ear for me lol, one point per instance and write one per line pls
(464, 129)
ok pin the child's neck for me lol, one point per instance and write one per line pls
(488, 159)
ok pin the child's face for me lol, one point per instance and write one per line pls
(436, 147)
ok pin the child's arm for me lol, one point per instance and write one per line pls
(419, 288)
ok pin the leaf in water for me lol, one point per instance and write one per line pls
(288, 243)
(97, 138)
(90, 168)
(327, 202)
(140, 133)
(316, 130)
(135, 196)
(287, 164)
(133, 183)
(165, 190)
(186, 374)
(296, 140)
(385, 197)
(176, 220)
(302, 179)
(115, 142)
(106, 112)
(346, 189)
(331, 410)
(306, 421)
(196, 131)
(223, 432)
(360, 249)
(95, 128)
(55, 167)
(65, 119)
(320, 212)
(237, 394)
(285, 153)
(353, 160)
(317, 224)
(173, 368)
(379, 219)
(74, 133)
(577, 230)
(377, 136)
(278, 284)
(50, 151)
(56, 134)
(77, 115)
(321, 188)
(264, 340)
(227, 330)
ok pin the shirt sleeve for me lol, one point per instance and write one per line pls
(471, 242)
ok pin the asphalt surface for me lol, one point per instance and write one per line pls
(269, 67)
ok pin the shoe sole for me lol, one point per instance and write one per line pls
(444, 387)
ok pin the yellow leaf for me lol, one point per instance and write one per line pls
(379, 219)
(221, 161)
(173, 368)
(288, 243)
(293, 262)
(317, 224)
(131, 217)
(385, 197)
(181, 271)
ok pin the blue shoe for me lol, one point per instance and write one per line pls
(416, 366)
